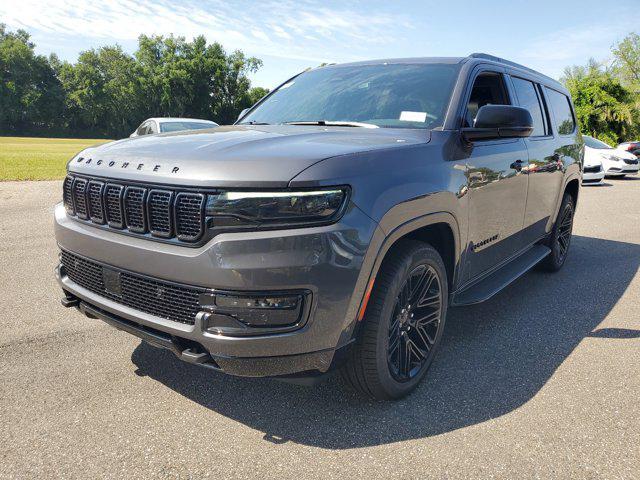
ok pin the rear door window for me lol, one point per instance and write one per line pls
(528, 98)
(561, 107)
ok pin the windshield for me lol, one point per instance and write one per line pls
(595, 143)
(177, 126)
(386, 95)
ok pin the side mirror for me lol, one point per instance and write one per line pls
(242, 114)
(500, 121)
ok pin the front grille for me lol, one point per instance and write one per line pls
(595, 169)
(630, 162)
(159, 205)
(94, 197)
(134, 202)
(189, 215)
(178, 303)
(113, 205)
(138, 209)
(80, 198)
(67, 196)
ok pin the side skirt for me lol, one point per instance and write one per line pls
(488, 286)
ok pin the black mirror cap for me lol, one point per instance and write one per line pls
(500, 121)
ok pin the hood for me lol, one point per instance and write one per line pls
(616, 152)
(239, 156)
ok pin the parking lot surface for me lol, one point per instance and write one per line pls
(542, 381)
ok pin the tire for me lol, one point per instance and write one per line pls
(560, 238)
(392, 323)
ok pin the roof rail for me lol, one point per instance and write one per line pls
(493, 58)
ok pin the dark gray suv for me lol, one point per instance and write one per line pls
(333, 224)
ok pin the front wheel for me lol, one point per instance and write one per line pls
(403, 324)
(560, 237)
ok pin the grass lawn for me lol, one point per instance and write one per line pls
(25, 158)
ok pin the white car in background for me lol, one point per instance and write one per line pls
(593, 171)
(170, 124)
(615, 162)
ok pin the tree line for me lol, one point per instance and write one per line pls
(108, 92)
(606, 95)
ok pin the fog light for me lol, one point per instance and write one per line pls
(256, 310)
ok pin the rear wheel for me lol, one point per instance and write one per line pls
(560, 237)
(403, 323)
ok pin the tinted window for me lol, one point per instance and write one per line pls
(488, 89)
(562, 112)
(177, 126)
(528, 98)
(595, 143)
(388, 95)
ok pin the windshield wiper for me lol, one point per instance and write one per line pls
(331, 123)
(252, 122)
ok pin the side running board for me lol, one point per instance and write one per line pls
(496, 281)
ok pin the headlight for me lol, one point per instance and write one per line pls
(612, 158)
(275, 208)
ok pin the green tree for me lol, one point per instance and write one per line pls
(102, 92)
(604, 107)
(31, 97)
(180, 78)
(627, 61)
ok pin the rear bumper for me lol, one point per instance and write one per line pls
(326, 261)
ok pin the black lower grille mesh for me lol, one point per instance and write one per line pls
(156, 297)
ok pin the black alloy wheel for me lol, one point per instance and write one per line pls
(415, 322)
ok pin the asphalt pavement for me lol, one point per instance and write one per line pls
(542, 381)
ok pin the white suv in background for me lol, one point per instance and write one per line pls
(615, 162)
(170, 124)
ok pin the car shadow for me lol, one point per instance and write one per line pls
(495, 356)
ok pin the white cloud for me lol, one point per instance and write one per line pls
(552, 52)
(280, 28)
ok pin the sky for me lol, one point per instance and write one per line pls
(291, 35)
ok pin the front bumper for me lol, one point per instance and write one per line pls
(325, 261)
(622, 169)
(593, 178)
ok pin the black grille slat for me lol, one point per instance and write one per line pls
(80, 198)
(174, 302)
(189, 212)
(163, 212)
(159, 205)
(67, 195)
(113, 205)
(95, 191)
(134, 209)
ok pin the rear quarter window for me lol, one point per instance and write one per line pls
(561, 107)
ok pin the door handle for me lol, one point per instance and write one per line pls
(517, 165)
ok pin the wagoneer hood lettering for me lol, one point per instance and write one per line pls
(238, 156)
